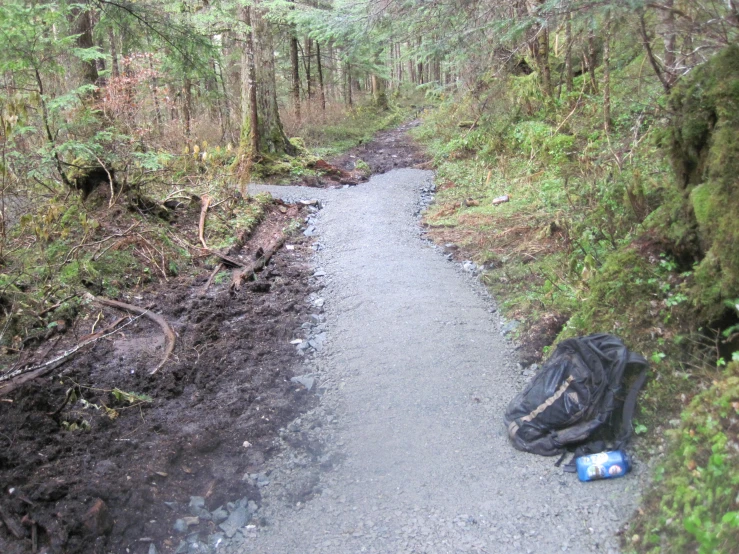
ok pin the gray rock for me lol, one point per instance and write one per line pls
(153, 549)
(197, 504)
(306, 380)
(319, 302)
(215, 540)
(261, 480)
(509, 327)
(236, 520)
(190, 521)
(320, 272)
(469, 266)
(310, 231)
(180, 526)
(219, 515)
(317, 342)
(182, 548)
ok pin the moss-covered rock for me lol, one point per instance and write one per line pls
(704, 149)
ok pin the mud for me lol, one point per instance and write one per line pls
(392, 149)
(96, 474)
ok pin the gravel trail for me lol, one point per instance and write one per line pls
(406, 452)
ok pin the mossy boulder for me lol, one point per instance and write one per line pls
(704, 150)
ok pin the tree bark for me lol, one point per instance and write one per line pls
(187, 105)
(115, 67)
(307, 54)
(82, 25)
(592, 57)
(295, 65)
(379, 94)
(669, 38)
(349, 84)
(262, 130)
(568, 54)
(607, 124)
(319, 68)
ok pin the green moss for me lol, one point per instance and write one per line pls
(705, 153)
(692, 505)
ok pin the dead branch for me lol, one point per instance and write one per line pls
(210, 279)
(205, 202)
(225, 258)
(55, 306)
(156, 318)
(249, 271)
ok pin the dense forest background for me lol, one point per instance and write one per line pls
(612, 127)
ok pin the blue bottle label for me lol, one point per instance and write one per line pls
(604, 465)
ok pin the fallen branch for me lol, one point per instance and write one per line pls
(204, 203)
(226, 258)
(156, 318)
(55, 306)
(248, 272)
(210, 279)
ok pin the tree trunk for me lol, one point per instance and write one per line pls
(420, 64)
(187, 106)
(295, 64)
(349, 83)
(115, 68)
(592, 58)
(568, 54)
(155, 94)
(306, 62)
(82, 25)
(379, 94)
(319, 68)
(261, 128)
(607, 124)
(669, 38)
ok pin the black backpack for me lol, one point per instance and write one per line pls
(573, 401)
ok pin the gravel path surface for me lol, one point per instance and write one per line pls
(406, 452)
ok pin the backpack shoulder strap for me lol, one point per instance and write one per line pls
(627, 414)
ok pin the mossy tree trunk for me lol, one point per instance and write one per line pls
(261, 130)
(83, 26)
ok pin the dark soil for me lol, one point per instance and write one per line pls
(389, 150)
(215, 410)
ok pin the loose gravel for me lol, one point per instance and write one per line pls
(406, 451)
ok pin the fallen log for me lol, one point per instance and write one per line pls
(156, 318)
(249, 271)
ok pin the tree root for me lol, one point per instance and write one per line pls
(156, 318)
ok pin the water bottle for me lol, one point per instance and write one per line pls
(604, 465)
